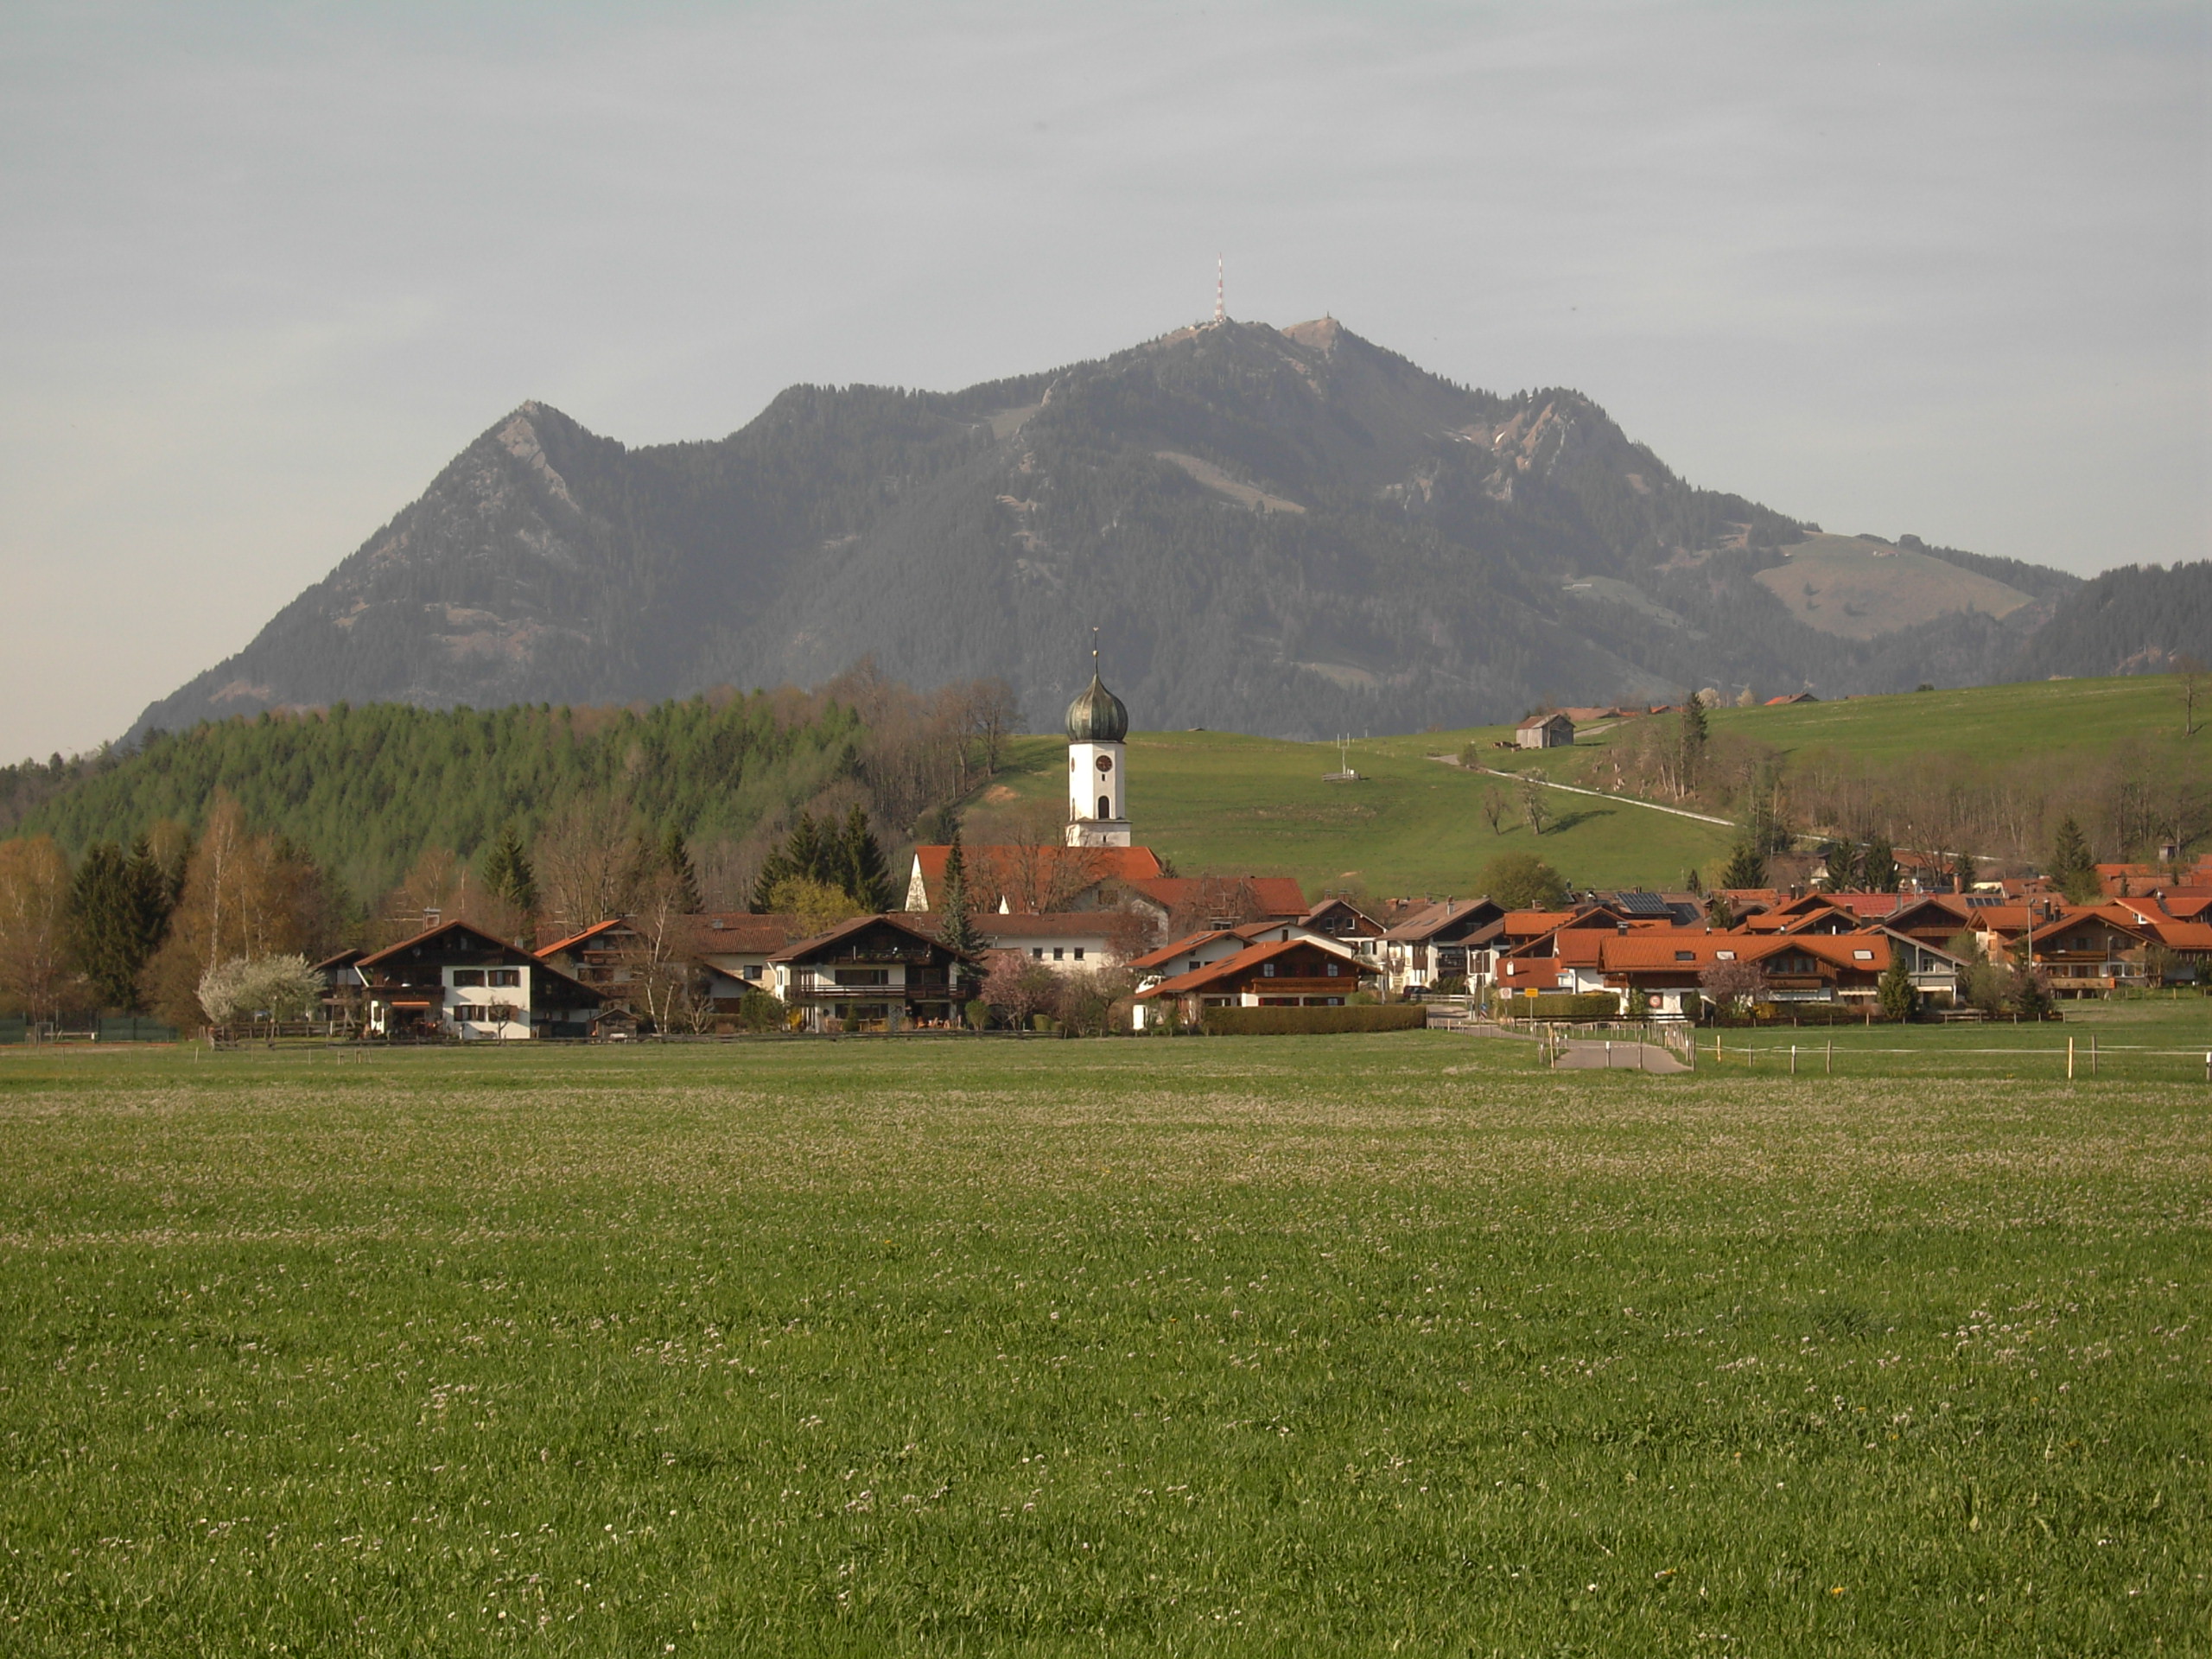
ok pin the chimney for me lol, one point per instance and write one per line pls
(430, 919)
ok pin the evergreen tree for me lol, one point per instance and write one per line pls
(1746, 866)
(1895, 990)
(676, 857)
(1841, 859)
(957, 932)
(1878, 865)
(509, 874)
(2073, 866)
(118, 910)
(1690, 739)
(799, 859)
(1693, 882)
(860, 869)
(1962, 871)
(1720, 911)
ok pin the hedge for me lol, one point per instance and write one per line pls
(1587, 1004)
(1297, 1022)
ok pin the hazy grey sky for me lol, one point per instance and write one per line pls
(264, 269)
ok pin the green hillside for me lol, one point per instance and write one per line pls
(1218, 801)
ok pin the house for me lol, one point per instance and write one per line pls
(1794, 697)
(1551, 731)
(885, 972)
(1297, 972)
(601, 955)
(1216, 900)
(1666, 966)
(456, 979)
(732, 950)
(1208, 946)
(2087, 952)
(1342, 920)
(1063, 940)
(1451, 940)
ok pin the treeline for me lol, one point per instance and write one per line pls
(305, 833)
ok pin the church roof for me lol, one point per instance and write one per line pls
(1097, 715)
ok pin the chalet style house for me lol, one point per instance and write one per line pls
(881, 972)
(1451, 940)
(1306, 971)
(457, 981)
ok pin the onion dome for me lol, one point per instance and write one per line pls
(1097, 715)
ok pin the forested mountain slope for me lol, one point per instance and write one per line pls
(1289, 531)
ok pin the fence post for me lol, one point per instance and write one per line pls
(1793, 1060)
(1830, 1068)
(2069, 1059)
(2093, 1053)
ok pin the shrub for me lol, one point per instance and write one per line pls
(1450, 985)
(1298, 1022)
(1585, 1005)
(979, 1015)
(760, 1011)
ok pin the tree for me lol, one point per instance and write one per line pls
(284, 987)
(245, 895)
(1895, 990)
(1877, 864)
(818, 906)
(1693, 882)
(35, 969)
(1535, 810)
(118, 909)
(1719, 913)
(1746, 866)
(1496, 809)
(2027, 992)
(957, 932)
(2073, 868)
(759, 1010)
(587, 863)
(1732, 987)
(1964, 871)
(2189, 690)
(1018, 986)
(508, 874)
(1693, 732)
(675, 859)
(859, 863)
(1522, 881)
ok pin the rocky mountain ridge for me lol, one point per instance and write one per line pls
(1290, 531)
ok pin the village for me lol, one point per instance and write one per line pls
(1098, 934)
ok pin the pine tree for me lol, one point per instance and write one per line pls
(1895, 990)
(1878, 865)
(1746, 866)
(957, 932)
(1690, 739)
(861, 871)
(676, 855)
(799, 857)
(1962, 871)
(508, 872)
(2073, 866)
(118, 910)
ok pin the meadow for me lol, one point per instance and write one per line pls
(1223, 801)
(1258, 1345)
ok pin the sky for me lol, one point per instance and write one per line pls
(265, 269)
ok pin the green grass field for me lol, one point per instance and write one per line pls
(1218, 801)
(1292, 1345)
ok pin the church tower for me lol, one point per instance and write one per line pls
(1098, 780)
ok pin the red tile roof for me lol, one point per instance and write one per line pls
(1246, 961)
(1276, 895)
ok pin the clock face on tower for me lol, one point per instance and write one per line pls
(1105, 763)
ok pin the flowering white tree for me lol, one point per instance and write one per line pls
(284, 986)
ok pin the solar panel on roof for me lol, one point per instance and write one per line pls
(1644, 904)
(1977, 901)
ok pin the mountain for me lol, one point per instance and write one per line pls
(1288, 532)
(2137, 619)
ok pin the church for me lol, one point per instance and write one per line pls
(1099, 854)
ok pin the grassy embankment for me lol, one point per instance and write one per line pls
(1217, 801)
(1281, 1345)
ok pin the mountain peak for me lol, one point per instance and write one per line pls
(1289, 530)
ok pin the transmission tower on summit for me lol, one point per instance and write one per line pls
(1220, 312)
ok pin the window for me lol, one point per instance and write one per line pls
(1685, 956)
(1724, 955)
(503, 976)
(752, 970)
(864, 975)
(1267, 970)
(1058, 953)
(1078, 953)
(1195, 965)
(469, 975)
(1105, 808)
(1038, 951)
(1332, 970)
(1862, 956)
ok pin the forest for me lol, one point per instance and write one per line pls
(129, 877)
